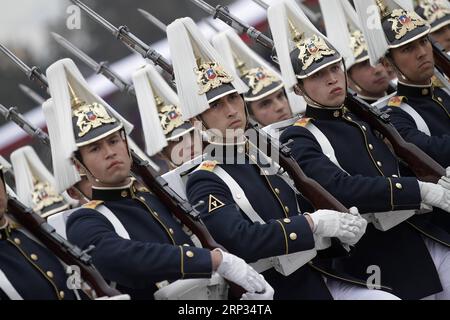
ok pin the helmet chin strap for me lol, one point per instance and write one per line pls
(397, 69)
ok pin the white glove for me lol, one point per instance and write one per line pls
(267, 295)
(445, 180)
(330, 223)
(362, 229)
(238, 271)
(435, 195)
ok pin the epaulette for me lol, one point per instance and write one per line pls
(396, 101)
(302, 122)
(207, 165)
(436, 82)
(92, 204)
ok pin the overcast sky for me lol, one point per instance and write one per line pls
(25, 21)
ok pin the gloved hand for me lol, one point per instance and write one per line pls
(267, 295)
(435, 195)
(445, 180)
(362, 229)
(330, 223)
(238, 271)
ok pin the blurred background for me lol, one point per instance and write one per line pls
(25, 30)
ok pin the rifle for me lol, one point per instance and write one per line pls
(441, 58)
(423, 166)
(67, 252)
(129, 39)
(98, 68)
(224, 14)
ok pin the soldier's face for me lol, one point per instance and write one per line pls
(373, 81)
(107, 160)
(327, 86)
(442, 36)
(415, 61)
(272, 108)
(226, 115)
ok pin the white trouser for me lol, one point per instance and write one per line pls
(441, 258)
(341, 290)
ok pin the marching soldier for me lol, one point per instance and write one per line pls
(266, 99)
(437, 14)
(28, 271)
(420, 111)
(161, 119)
(138, 243)
(343, 154)
(343, 30)
(253, 212)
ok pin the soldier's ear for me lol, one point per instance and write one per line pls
(385, 62)
(297, 90)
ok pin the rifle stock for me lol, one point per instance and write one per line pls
(441, 58)
(64, 250)
(423, 166)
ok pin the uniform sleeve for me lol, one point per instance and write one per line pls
(134, 264)
(369, 194)
(238, 234)
(437, 147)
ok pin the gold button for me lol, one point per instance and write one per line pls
(142, 198)
(49, 274)
(398, 185)
(395, 176)
(33, 257)
(186, 245)
(61, 294)
(286, 209)
(277, 191)
(287, 220)
(425, 91)
(439, 99)
(124, 193)
(17, 241)
(364, 128)
(293, 236)
(370, 146)
(349, 118)
(155, 213)
(190, 254)
(379, 163)
(171, 230)
(336, 114)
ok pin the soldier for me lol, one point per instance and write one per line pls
(343, 30)
(343, 154)
(253, 212)
(138, 243)
(437, 14)
(161, 119)
(420, 111)
(28, 271)
(266, 99)
(81, 191)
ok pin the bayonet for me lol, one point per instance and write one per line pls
(222, 13)
(12, 114)
(98, 68)
(32, 73)
(30, 93)
(154, 20)
(129, 39)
